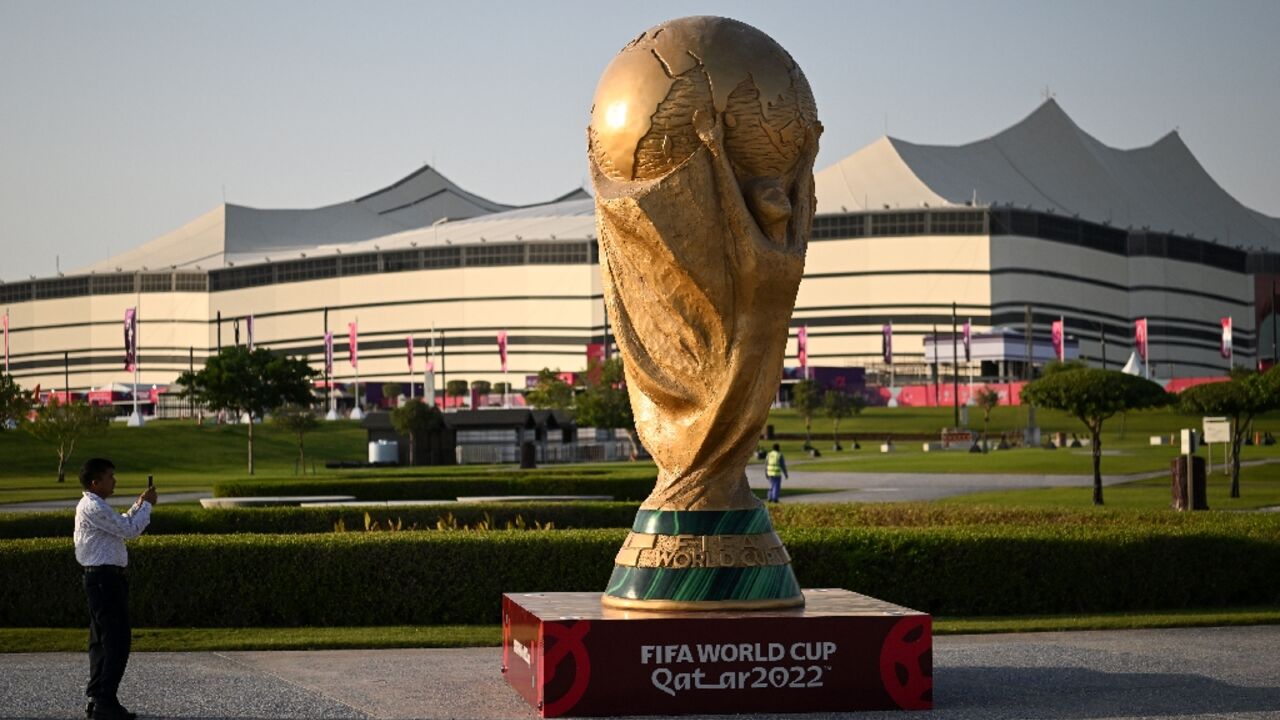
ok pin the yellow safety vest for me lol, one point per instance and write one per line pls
(773, 464)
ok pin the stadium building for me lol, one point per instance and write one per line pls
(1041, 216)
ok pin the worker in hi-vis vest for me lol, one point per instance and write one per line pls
(775, 468)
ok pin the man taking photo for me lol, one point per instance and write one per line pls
(100, 533)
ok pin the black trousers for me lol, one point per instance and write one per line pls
(109, 633)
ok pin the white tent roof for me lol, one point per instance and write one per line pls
(1046, 162)
(240, 233)
(1134, 366)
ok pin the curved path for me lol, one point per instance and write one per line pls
(1183, 674)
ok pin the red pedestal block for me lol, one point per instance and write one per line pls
(568, 656)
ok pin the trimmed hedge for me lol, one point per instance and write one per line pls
(169, 520)
(297, 520)
(458, 577)
(634, 485)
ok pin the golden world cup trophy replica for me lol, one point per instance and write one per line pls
(702, 141)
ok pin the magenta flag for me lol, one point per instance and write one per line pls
(802, 349)
(409, 343)
(1225, 348)
(1140, 337)
(966, 337)
(130, 339)
(248, 324)
(1059, 342)
(353, 340)
(328, 353)
(502, 349)
(886, 343)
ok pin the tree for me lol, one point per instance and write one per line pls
(1092, 396)
(838, 405)
(806, 398)
(15, 403)
(456, 388)
(987, 399)
(551, 392)
(502, 388)
(481, 389)
(64, 424)
(299, 420)
(251, 383)
(1241, 398)
(391, 390)
(604, 403)
(415, 419)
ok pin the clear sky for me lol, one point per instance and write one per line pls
(121, 121)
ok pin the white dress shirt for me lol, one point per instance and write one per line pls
(101, 531)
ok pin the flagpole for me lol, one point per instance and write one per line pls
(356, 412)
(968, 357)
(135, 420)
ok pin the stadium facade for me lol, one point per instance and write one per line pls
(1040, 216)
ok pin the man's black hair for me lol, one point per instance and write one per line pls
(775, 447)
(93, 469)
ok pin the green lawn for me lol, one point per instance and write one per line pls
(929, 420)
(182, 456)
(1259, 487)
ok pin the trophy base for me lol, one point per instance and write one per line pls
(569, 655)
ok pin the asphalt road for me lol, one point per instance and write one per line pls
(1181, 674)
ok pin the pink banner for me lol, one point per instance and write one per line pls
(353, 348)
(328, 353)
(802, 349)
(1059, 343)
(886, 343)
(1225, 348)
(1140, 337)
(248, 324)
(409, 343)
(130, 339)
(502, 349)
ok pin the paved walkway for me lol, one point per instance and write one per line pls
(1220, 673)
(897, 487)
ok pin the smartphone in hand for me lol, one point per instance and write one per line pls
(151, 481)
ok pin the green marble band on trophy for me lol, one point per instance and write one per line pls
(702, 140)
(682, 558)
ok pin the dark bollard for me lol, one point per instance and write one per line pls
(1197, 500)
(528, 455)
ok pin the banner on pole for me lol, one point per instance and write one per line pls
(353, 350)
(1226, 338)
(1059, 342)
(6, 342)
(130, 339)
(1140, 337)
(409, 343)
(328, 353)
(967, 337)
(248, 328)
(502, 349)
(886, 343)
(802, 350)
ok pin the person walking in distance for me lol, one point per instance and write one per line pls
(100, 533)
(775, 468)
